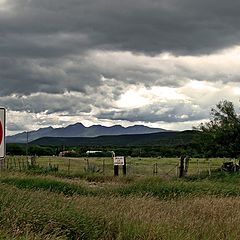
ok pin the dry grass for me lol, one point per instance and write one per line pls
(37, 213)
(186, 218)
(116, 208)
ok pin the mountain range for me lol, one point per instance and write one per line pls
(79, 130)
(151, 139)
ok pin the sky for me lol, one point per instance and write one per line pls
(160, 63)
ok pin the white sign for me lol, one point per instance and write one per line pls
(2, 132)
(119, 160)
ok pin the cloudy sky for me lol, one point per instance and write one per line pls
(161, 63)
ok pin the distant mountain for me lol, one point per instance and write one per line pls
(79, 130)
(152, 139)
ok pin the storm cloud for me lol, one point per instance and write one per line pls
(140, 26)
(83, 59)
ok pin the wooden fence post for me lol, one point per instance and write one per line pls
(155, 169)
(15, 164)
(124, 167)
(186, 163)
(181, 167)
(115, 170)
(177, 167)
(198, 170)
(19, 165)
(209, 167)
(87, 165)
(103, 166)
(69, 165)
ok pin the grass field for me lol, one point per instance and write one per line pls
(166, 167)
(36, 205)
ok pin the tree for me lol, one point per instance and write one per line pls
(221, 135)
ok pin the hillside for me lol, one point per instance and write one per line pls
(153, 139)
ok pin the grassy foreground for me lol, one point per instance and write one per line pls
(47, 207)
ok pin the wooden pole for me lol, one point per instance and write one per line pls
(181, 167)
(69, 164)
(186, 162)
(27, 146)
(87, 165)
(103, 166)
(209, 167)
(19, 165)
(1, 163)
(125, 167)
(155, 169)
(198, 171)
(7, 163)
(15, 163)
(115, 170)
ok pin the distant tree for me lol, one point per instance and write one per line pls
(221, 135)
(41, 151)
(15, 149)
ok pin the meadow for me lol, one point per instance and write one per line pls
(136, 166)
(80, 204)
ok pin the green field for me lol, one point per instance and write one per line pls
(77, 204)
(136, 166)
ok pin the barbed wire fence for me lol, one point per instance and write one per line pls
(162, 167)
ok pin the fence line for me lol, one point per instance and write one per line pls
(163, 167)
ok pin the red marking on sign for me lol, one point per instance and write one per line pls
(1, 132)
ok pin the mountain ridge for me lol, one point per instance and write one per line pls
(170, 138)
(79, 130)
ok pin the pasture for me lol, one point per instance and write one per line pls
(74, 203)
(136, 166)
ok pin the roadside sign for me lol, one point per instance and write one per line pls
(119, 160)
(2, 132)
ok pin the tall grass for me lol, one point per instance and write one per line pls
(51, 215)
(51, 207)
(225, 185)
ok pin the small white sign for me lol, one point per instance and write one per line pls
(2, 132)
(118, 160)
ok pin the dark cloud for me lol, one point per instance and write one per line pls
(147, 26)
(96, 50)
(26, 76)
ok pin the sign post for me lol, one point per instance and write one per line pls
(119, 161)
(2, 136)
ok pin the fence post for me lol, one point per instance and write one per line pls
(186, 163)
(69, 164)
(198, 171)
(115, 170)
(15, 164)
(209, 167)
(103, 166)
(1, 163)
(155, 169)
(181, 167)
(87, 164)
(19, 165)
(124, 167)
